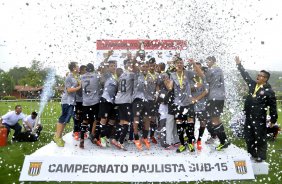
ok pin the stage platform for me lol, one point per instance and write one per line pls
(93, 163)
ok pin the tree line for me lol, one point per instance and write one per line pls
(26, 76)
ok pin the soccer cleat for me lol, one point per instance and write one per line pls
(191, 147)
(104, 142)
(76, 136)
(59, 141)
(199, 145)
(180, 149)
(98, 143)
(211, 140)
(114, 142)
(170, 147)
(138, 144)
(147, 143)
(121, 146)
(81, 144)
(153, 139)
(222, 146)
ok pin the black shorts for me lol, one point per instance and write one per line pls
(215, 108)
(143, 108)
(201, 115)
(184, 112)
(90, 113)
(125, 111)
(106, 109)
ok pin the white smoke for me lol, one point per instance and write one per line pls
(47, 90)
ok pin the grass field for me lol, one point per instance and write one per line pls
(12, 155)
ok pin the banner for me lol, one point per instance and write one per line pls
(136, 169)
(161, 50)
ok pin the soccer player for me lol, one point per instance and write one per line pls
(260, 98)
(72, 85)
(77, 119)
(184, 111)
(141, 106)
(91, 94)
(152, 95)
(106, 107)
(215, 104)
(123, 100)
(199, 93)
(11, 121)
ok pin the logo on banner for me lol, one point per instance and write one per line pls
(34, 168)
(241, 166)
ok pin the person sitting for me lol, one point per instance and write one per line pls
(11, 121)
(30, 124)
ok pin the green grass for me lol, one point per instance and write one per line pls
(12, 155)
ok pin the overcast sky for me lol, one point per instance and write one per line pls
(56, 32)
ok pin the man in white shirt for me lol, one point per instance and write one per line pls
(11, 121)
(31, 125)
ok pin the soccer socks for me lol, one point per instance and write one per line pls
(124, 130)
(82, 130)
(180, 132)
(153, 127)
(201, 132)
(219, 131)
(190, 132)
(118, 132)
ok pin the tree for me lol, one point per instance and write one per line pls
(18, 73)
(32, 78)
(7, 84)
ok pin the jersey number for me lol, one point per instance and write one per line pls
(123, 85)
(87, 82)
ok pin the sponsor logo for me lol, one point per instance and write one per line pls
(240, 166)
(34, 168)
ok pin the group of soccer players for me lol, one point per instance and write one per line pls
(146, 97)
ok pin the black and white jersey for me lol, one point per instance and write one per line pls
(139, 87)
(125, 88)
(91, 88)
(215, 80)
(182, 88)
(110, 87)
(150, 85)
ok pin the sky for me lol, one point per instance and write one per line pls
(56, 32)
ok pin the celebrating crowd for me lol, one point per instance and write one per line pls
(145, 97)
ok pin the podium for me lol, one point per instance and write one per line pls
(95, 164)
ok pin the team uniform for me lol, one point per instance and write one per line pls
(123, 100)
(91, 94)
(11, 121)
(77, 118)
(200, 106)
(151, 81)
(141, 107)
(184, 107)
(106, 107)
(68, 99)
(215, 104)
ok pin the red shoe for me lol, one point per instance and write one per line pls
(98, 143)
(147, 143)
(199, 145)
(76, 136)
(153, 139)
(138, 144)
(114, 142)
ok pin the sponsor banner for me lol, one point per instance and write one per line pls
(135, 44)
(135, 169)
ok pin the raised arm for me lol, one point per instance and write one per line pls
(242, 70)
